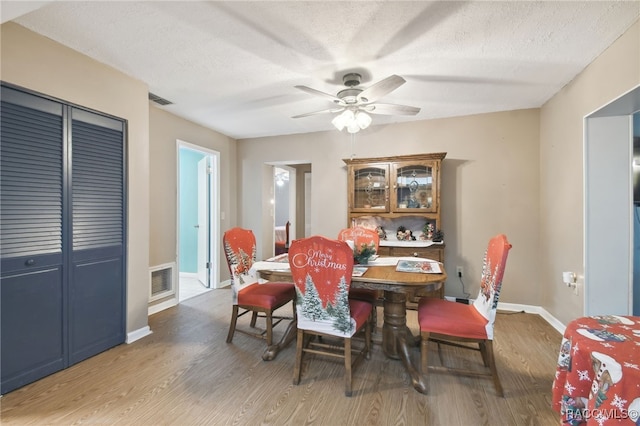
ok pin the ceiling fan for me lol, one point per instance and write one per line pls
(355, 102)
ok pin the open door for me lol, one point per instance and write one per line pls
(204, 225)
(198, 217)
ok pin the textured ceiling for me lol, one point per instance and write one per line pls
(232, 66)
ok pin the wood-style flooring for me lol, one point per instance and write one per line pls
(185, 374)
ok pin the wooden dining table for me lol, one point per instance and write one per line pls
(397, 286)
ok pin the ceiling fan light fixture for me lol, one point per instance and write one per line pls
(353, 127)
(363, 119)
(353, 121)
(339, 122)
(343, 120)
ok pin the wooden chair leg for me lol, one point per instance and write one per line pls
(374, 318)
(483, 352)
(298, 363)
(492, 367)
(424, 354)
(347, 366)
(232, 325)
(269, 318)
(254, 317)
(367, 340)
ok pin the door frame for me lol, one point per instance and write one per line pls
(608, 206)
(214, 212)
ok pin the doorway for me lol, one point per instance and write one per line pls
(609, 209)
(291, 199)
(284, 205)
(198, 221)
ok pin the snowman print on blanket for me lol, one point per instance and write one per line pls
(613, 319)
(600, 335)
(608, 372)
(564, 358)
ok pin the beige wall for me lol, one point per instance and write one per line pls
(165, 130)
(489, 182)
(42, 65)
(613, 73)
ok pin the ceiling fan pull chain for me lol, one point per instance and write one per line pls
(353, 151)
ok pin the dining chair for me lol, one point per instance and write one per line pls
(321, 269)
(360, 235)
(249, 294)
(460, 325)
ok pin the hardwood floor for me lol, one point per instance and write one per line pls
(185, 374)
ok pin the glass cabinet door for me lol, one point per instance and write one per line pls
(370, 184)
(414, 187)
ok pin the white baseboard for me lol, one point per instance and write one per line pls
(223, 284)
(153, 309)
(555, 323)
(138, 334)
(530, 309)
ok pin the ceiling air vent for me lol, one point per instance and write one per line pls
(157, 99)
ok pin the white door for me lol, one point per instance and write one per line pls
(203, 221)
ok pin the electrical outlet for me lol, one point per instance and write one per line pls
(459, 271)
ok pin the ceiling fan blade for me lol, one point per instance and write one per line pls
(315, 92)
(381, 88)
(324, 111)
(391, 109)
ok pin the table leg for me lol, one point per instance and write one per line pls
(396, 336)
(272, 351)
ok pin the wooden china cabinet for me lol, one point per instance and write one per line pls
(393, 192)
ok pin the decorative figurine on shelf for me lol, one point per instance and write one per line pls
(404, 234)
(362, 254)
(438, 236)
(381, 232)
(428, 231)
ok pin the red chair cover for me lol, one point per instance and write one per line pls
(470, 321)
(240, 250)
(248, 292)
(321, 270)
(359, 236)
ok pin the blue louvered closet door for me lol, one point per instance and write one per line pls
(62, 233)
(96, 320)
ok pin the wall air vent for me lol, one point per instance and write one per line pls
(157, 99)
(163, 278)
